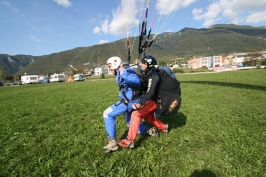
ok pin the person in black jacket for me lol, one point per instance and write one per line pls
(147, 105)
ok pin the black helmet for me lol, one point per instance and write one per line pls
(150, 60)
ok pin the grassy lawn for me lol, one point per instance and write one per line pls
(57, 129)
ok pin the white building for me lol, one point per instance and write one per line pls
(102, 70)
(236, 59)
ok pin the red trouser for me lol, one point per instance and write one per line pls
(146, 112)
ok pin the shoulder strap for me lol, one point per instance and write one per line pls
(137, 90)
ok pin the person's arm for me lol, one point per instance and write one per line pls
(130, 78)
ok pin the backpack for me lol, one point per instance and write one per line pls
(168, 99)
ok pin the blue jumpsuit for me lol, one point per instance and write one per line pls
(125, 80)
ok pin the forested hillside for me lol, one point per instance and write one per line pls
(217, 40)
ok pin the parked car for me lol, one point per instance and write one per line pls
(88, 73)
(8, 83)
(79, 77)
(17, 83)
(45, 80)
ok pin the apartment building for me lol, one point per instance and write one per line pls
(207, 62)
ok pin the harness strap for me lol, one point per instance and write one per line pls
(124, 95)
(122, 101)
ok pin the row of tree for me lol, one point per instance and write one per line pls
(254, 58)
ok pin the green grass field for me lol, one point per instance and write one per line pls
(57, 130)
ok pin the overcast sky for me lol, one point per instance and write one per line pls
(41, 27)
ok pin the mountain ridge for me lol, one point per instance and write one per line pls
(219, 39)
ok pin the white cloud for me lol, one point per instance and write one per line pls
(7, 4)
(103, 41)
(127, 16)
(105, 26)
(97, 30)
(123, 18)
(187, 3)
(92, 20)
(237, 11)
(64, 3)
(210, 17)
(197, 14)
(257, 17)
(34, 38)
(166, 7)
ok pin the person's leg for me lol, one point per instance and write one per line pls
(134, 124)
(156, 123)
(136, 116)
(132, 132)
(143, 129)
(109, 116)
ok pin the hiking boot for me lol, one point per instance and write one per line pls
(111, 146)
(126, 143)
(153, 132)
(165, 130)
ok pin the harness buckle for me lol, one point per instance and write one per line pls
(124, 101)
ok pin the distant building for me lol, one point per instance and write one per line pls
(218, 61)
(236, 59)
(102, 70)
(207, 62)
(264, 54)
(193, 63)
(98, 71)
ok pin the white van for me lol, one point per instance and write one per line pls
(29, 79)
(79, 77)
(57, 78)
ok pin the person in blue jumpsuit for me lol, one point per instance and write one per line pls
(129, 93)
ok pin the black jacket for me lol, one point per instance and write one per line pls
(151, 85)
